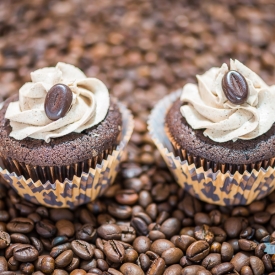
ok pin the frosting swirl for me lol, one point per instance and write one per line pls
(206, 107)
(89, 106)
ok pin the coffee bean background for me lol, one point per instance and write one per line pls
(144, 224)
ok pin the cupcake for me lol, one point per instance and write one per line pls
(62, 137)
(219, 135)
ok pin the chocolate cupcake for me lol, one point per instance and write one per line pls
(219, 135)
(62, 128)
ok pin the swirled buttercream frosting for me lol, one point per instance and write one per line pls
(89, 106)
(205, 105)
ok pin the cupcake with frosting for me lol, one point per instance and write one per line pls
(220, 134)
(62, 136)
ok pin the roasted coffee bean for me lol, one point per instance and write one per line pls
(222, 268)
(215, 217)
(204, 233)
(78, 272)
(262, 235)
(126, 196)
(140, 226)
(247, 233)
(188, 231)
(128, 233)
(155, 235)
(61, 213)
(170, 227)
(247, 245)
(174, 269)
(219, 234)
(235, 87)
(159, 246)
(152, 210)
(87, 265)
(157, 267)
(86, 233)
(5, 239)
(25, 253)
(239, 260)
(13, 264)
(202, 218)
(64, 259)
(246, 270)
(193, 269)
(46, 264)
(197, 251)
(235, 244)
(57, 250)
(267, 263)
(227, 252)
(102, 264)
(95, 271)
(142, 244)
(262, 217)
(109, 232)
(82, 249)
(73, 265)
(233, 227)
(98, 254)
(257, 265)
(114, 251)
(34, 217)
(211, 260)
(47, 243)
(259, 250)
(20, 225)
(130, 268)
(144, 262)
(45, 228)
(58, 101)
(120, 211)
(19, 238)
(27, 268)
(113, 271)
(240, 211)
(59, 240)
(172, 255)
(184, 241)
(3, 264)
(131, 255)
(65, 228)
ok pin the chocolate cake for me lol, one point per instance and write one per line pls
(62, 157)
(231, 155)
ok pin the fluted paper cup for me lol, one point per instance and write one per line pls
(212, 187)
(79, 190)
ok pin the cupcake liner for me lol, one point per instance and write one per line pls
(205, 184)
(79, 190)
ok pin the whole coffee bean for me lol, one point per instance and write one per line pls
(20, 225)
(144, 262)
(193, 269)
(247, 245)
(144, 198)
(170, 227)
(25, 253)
(235, 244)
(215, 217)
(262, 217)
(184, 241)
(23, 209)
(65, 228)
(152, 255)
(159, 246)
(197, 251)
(152, 210)
(87, 265)
(105, 218)
(64, 259)
(130, 268)
(157, 267)
(45, 228)
(204, 233)
(42, 211)
(247, 233)
(120, 211)
(128, 233)
(172, 255)
(215, 247)
(219, 234)
(13, 264)
(86, 233)
(5, 239)
(114, 251)
(100, 243)
(155, 235)
(239, 260)
(131, 255)
(227, 252)
(240, 211)
(233, 227)
(174, 269)
(73, 265)
(9, 250)
(188, 231)
(86, 216)
(140, 226)
(211, 260)
(58, 101)
(144, 217)
(27, 268)
(102, 264)
(57, 250)
(142, 244)
(47, 264)
(59, 240)
(57, 214)
(202, 218)
(222, 268)
(82, 249)
(3, 264)
(267, 263)
(19, 238)
(256, 265)
(34, 217)
(259, 250)
(98, 254)
(204, 272)
(126, 196)
(235, 87)
(78, 272)
(246, 270)
(3, 226)
(262, 235)
(109, 232)
(59, 272)
(47, 243)
(95, 271)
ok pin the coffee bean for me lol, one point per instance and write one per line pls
(95, 271)
(109, 232)
(82, 249)
(267, 263)
(233, 227)
(45, 228)
(57, 250)
(227, 252)
(87, 265)
(259, 250)
(19, 238)
(58, 101)
(25, 253)
(211, 260)
(190, 231)
(239, 260)
(197, 251)
(222, 268)
(144, 262)
(219, 234)
(172, 255)
(215, 217)
(247, 233)
(204, 233)
(120, 211)
(130, 268)
(114, 251)
(64, 259)
(5, 239)
(46, 264)
(59, 240)
(159, 246)
(202, 218)
(4, 216)
(262, 217)
(174, 269)
(3, 264)
(34, 217)
(86, 233)
(98, 254)
(102, 264)
(170, 227)
(194, 269)
(246, 270)
(13, 264)
(256, 265)
(152, 210)
(235, 87)
(61, 213)
(155, 235)
(157, 267)
(65, 228)
(184, 241)
(20, 225)
(78, 272)
(140, 226)
(128, 233)
(247, 245)
(47, 243)
(131, 255)
(27, 268)
(235, 244)
(126, 196)
(142, 244)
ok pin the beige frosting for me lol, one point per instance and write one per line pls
(206, 107)
(89, 106)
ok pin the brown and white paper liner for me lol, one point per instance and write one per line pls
(212, 187)
(80, 190)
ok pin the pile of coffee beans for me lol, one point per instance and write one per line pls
(145, 223)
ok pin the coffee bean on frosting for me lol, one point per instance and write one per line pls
(235, 87)
(58, 101)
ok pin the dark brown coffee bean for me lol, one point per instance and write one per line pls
(262, 235)
(256, 265)
(239, 260)
(126, 196)
(222, 268)
(65, 228)
(211, 260)
(5, 239)
(86, 233)
(13, 264)
(227, 252)
(102, 264)
(197, 251)
(174, 269)
(267, 263)
(25, 253)
(34, 217)
(140, 226)
(18, 238)
(233, 227)
(46, 264)
(20, 225)
(95, 271)
(202, 218)
(57, 214)
(57, 250)
(204, 233)
(262, 217)
(144, 262)
(98, 254)
(82, 249)
(58, 101)
(240, 211)
(172, 255)
(152, 210)
(27, 268)
(144, 217)
(130, 268)
(259, 250)
(189, 230)
(247, 245)
(219, 234)
(45, 228)
(120, 211)
(246, 270)
(170, 227)
(73, 265)
(114, 251)
(235, 244)
(47, 243)
(87, 265)
(248, 233)
(59, 240)
(215, 217)
(152, 255)
(64, 259)
(142, 244)
(128, 233)
(159, 246)
(109, 232)
(156, 235)
(184, 241)
(235, 87)
(113, 271)
(78, 272)
(205, 272)
(131, 255)
(193, 269)
(157, 267)
(3, 264)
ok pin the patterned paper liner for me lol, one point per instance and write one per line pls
(81, 190)
(212, 187)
